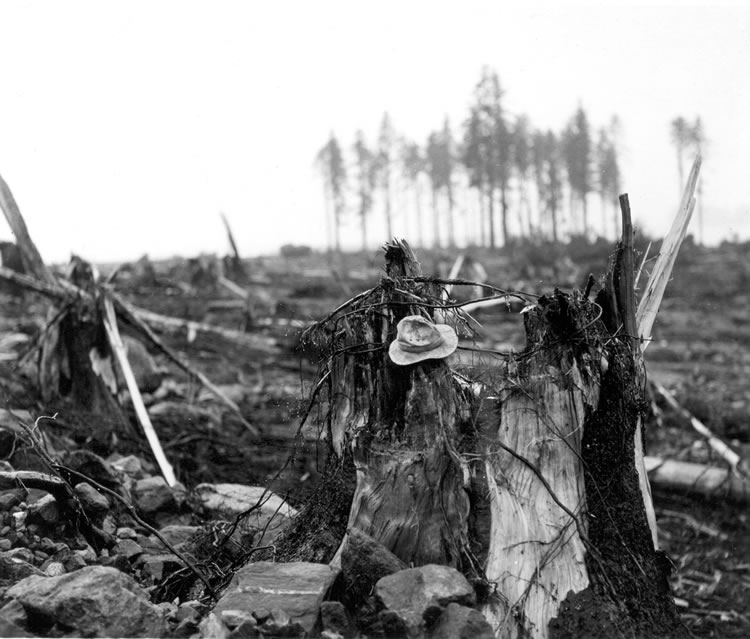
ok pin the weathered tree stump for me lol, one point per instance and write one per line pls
(529, 486)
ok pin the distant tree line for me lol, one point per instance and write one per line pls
(498, 179)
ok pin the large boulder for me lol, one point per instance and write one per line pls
(297, 588)
(95, 601)
(225, 501)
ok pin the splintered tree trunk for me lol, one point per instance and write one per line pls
(527, 482)
(402, 426)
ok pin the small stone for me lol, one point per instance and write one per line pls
(248, 629)
(74, 562)
(109, 525)
(41, 555)
(330, 634)
(128, 548)
(212, 628)
(130, 465)
(186, 629)
(118, 561)
(334, 617)
(92, 501)
(4, 530)
(233, 618)
(44, 511)
(126, 532)
(55, 569)
(47, 545)
(461, 622)
(87, 553)
(153, 496)
(188, 610)
(19, 519)
(159, 566)
(177, 534)
(5, 544)
(10, 498)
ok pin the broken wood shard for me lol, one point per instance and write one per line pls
(118, 348)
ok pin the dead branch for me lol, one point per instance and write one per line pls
(718, 446)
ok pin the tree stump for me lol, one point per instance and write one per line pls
(529, 486)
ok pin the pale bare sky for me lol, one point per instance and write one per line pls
(125, 127)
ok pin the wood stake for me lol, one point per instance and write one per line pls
(118, 348)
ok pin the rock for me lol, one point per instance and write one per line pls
(128, 548)
(14, 612)
(109, 524)
(334, 618)
(126, 532)
(186, 629)
(21, 553)
(9, 629)
(44, 511)
(248, 629)
(93, 466)
(416, 595)
(330, 634)
(92, 501)
(153, 498)
(159, 566)
(119, 562)
(226, 501)
(13, 568)
(177, 534)
(364, 561)
(212, 628)
(87, 553)
(129, 465)
(12, 497)
(55, 569)
(233, 618)
(74, 562)
(93, 601)
(460, 622)
(5, 544)
(18, 518)
(297, 588)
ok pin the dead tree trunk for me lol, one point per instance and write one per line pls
(529, 486)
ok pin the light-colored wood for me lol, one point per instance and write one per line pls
(699, 479)
(118, 348)
(536, 554)
(657, 283)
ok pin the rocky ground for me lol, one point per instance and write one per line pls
(93, 542)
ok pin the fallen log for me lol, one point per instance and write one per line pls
(697, 479)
